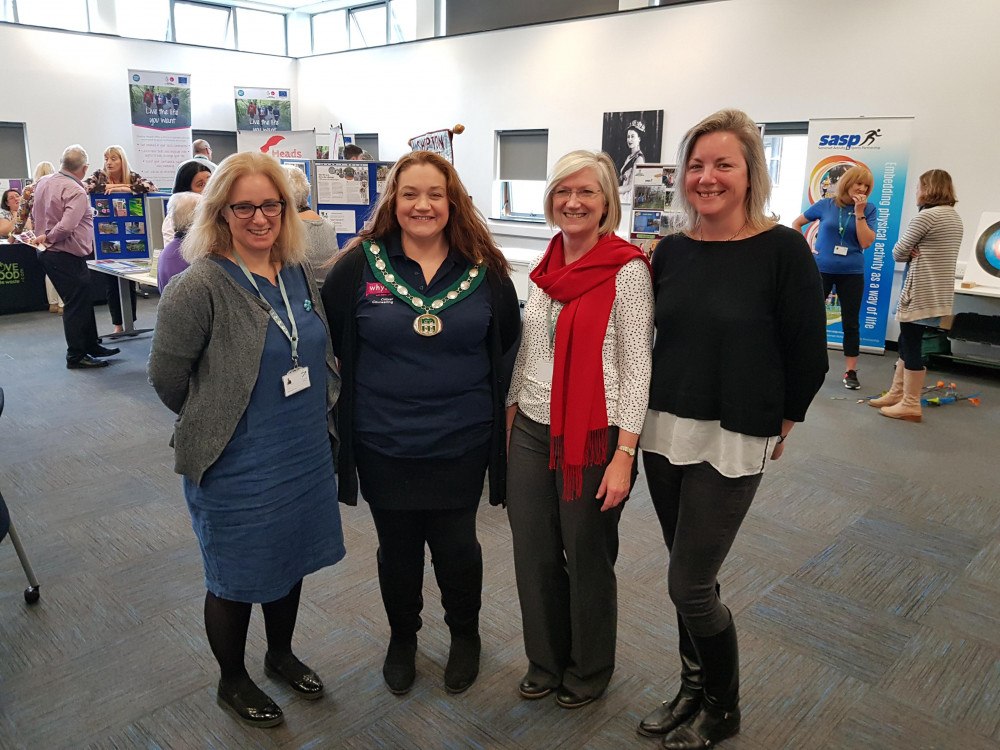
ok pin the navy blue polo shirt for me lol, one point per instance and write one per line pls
(422, 396)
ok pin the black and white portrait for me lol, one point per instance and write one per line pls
(632, 138)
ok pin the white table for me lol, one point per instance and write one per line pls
(126, 271)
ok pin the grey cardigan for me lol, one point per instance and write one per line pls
(205, 357)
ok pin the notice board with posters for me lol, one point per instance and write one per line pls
(120, 226)
(345, 192)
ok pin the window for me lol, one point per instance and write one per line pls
(522, 156)
(207, 25)
(260, 31)
(329, 32)
(13, 150)
(785, 149)
(367, 26)
(148, 20)
(402, 20)
(59, 14)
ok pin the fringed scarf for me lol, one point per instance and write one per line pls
(578, 411)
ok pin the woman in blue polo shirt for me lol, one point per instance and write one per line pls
(422, 312)
(846, 229)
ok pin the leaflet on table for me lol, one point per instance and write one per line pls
(121, 265)
(27, 237)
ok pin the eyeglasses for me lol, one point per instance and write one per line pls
(270, 209)
(584, 195)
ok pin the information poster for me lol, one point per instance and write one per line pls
(290, 144)
(266, 110)
(161, 123)
(344, 220)
(342, 183)
(882, 145)
(652, 216)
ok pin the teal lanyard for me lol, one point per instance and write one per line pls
(840, 221)
(293, 337)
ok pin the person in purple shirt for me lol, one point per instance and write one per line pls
(64, 224)
(180, 209)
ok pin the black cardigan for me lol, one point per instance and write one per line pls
(339, 294)
(740, 330)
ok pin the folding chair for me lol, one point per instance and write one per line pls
(7, 526)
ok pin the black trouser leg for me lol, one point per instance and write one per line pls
(279, 621)
(115, 300)
(71, 278)
(850, 291)
(226, 623)
(910, 343)
(400, 569)
(458, 567)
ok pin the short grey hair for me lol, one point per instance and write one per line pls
(299, 186)
(607, 178)
(181, 208)
(201, 146)
(74, 158)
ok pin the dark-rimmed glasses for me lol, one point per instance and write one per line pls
(270, 209)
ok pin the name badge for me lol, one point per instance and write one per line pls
(840, 250)
(295, 380)
(543, 371)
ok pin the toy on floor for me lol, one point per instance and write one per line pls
(942, 393)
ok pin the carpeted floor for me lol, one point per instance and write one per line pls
(865, 584)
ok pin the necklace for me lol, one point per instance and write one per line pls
(701, 233)
(426, 323)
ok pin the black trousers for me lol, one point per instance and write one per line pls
(71, 278)
(455, 554)
(700, 512)
(115, 300)
(850, 290)
(911, 343)
(564, 562)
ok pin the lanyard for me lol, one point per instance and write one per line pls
(293, 337)
(66, 174)
(551, 321)
(840, 221)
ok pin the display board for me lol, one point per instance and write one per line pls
(345, 192)
(120, 227)
(652, 215)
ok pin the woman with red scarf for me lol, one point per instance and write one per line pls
(575, 410)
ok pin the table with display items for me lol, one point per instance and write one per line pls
(126, 272)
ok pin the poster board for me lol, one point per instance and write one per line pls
(345, 192)
(120, 227)
(651, 216)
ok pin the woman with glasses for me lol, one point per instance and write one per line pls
(241, 354)
(575, 409)
(422, 311)
(740, 353)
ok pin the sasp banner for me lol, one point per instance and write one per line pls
(161, 123)
(883, 146)
(263, 109)
(291, 144)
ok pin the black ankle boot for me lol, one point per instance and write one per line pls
(463, 663)
(400, 667)
(719, 715)
(687, 702)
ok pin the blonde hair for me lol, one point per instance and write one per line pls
(856, 175)
(604, 168)
(126, 173)
(747, 133)
(43, 168)
(210, 235)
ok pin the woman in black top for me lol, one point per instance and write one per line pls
(422, 311)
(738, 305)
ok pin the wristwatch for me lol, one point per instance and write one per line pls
(627, 449)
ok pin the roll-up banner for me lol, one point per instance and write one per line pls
(883, 146)
(161, 123)
(263, 109)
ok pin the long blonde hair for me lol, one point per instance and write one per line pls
(126, 173)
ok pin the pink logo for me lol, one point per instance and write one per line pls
(376, 289)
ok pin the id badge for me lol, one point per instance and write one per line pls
(840, 249)
(543, 371)
(295, 380)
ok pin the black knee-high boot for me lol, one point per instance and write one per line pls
(403, 601)
(687, 702)
(719, 715)
(461, 596)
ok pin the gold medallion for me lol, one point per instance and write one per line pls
(427, 324)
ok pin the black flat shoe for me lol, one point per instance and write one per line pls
(85, 362)
(103, 351)
(463, 663)
(249, 704)
(532, 690)
(295, 674)
(400, 668)
(566, 698)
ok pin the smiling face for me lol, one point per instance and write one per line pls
(256, 235)
(579, 218)
(422, 203)
(113, 166)
(716, 181)
(632, 139)
(199, 180)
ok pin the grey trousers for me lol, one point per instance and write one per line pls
(564, 563)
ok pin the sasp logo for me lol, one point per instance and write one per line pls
(839, 141)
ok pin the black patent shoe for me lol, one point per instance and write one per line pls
(463, 663)
(295, 674)
(86, 362)
(531, 690)
(669, 715)
(103, 351)
(709, 726)
(566, 698)
(249, 704)
(400, 667)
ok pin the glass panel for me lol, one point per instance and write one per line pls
(260, 31)
(788, 189)
(329, 32)
(59, 14)
(148, 20)
(402, 20)
(525, 198)
(368, 27)
(208, 25)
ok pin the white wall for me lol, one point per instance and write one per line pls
(72, 88)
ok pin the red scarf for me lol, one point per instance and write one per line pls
(578, 413)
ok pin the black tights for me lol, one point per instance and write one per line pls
(226, 623)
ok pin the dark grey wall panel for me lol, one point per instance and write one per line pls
(465, 16)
